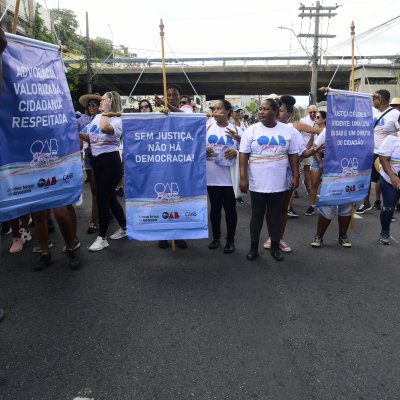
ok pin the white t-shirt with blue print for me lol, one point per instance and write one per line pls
(268, 150)
(219, 175)
(388, 125)
(103, 142)
(390, 147)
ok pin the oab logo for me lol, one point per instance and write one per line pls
(46, 183)
(349, 165)
(170, 215)
(67, 177)
(44, 152)
(167, 191)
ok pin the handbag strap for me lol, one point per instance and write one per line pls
(377, 121)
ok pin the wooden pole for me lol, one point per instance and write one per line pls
(15, 20)
(352, 32)
(164, 73)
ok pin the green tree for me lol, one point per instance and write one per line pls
(39, 30)
(66, 25)
(252, 108)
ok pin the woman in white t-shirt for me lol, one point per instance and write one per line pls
(221, 154)
(389, 157)
(104, 135)
(266, 151)
(287, 114)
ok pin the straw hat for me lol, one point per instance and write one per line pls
(395, 101)
(83, 100)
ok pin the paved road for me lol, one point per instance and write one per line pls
(138, 322)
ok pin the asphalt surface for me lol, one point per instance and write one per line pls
(138, 322)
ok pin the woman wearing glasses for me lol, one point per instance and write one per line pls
(104, 135)
(91, 103)
(266, 151)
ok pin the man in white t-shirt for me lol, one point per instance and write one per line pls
(174, 95)
(386, 123)
(306, 162)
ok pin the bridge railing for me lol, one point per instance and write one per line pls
(125, 63)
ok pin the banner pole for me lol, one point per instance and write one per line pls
(352, 32)
(164, 75)
(15, 20)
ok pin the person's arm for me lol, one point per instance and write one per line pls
(394, 179)
(84, 136)
(294, 165)
(105, 125)
(300, 126)
(233, 134)
(243, 165)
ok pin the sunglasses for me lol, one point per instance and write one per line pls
(93, 104)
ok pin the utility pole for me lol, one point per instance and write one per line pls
(316, 12)
(88, 64)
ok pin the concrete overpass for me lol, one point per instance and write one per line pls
(216, 80)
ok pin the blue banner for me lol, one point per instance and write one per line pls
(348, 149)
(40, 162)
(165, 176)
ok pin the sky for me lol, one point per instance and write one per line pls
(212, 28)
(236, 28)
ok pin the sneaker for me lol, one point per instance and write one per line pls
(5, 229)
(291, 213)
(214, 244)
(240, 200)
(37, 249)
(344, 241)
(393, 219)
(267, 243)
(377, 205)
(75, 245)
(99, 244)
(26, 234)
(317, 242)
(163, 244)
(92, 228)
(284, 247)
(17, 245)
(310, 210)
(363, 207)
(73, 259)
(181, 244)
(384, 238)
(119, 234)
(43, 262)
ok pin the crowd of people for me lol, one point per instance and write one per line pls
(263, 158)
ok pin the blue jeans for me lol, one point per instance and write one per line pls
(390, 197)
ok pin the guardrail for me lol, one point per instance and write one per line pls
(210, 61)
